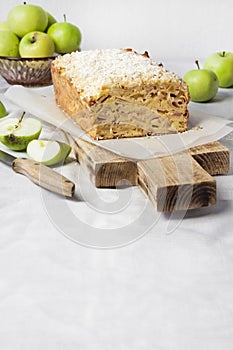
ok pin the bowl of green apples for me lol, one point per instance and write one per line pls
(30, 39)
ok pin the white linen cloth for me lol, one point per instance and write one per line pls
(168, 285)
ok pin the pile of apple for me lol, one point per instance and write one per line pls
(30, 31)
(203, 83)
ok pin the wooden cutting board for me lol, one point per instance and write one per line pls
(178, 182)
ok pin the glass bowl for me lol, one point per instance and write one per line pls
(26, 71)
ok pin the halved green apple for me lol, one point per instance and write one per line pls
(3, 111)
(17, 133)
(48, 152)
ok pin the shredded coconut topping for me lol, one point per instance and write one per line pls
(96, 70)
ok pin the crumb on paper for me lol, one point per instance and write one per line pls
(197, 127)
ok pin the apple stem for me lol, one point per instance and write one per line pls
(64, 16)
(197, 63)
(20, 120)
(223, 53)
(34, 37)
(24, 3)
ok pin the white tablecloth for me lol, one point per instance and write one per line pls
(166, 281)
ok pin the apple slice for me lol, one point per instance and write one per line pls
(48, 152)
(17, 133)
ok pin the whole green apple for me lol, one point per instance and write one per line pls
(4, 26)
(9, 44)
(221, 63)
(66, 36)
(202, 84)
(23, 19)
(36, 44)
(51, 20)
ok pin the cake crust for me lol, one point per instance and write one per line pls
(118, 93)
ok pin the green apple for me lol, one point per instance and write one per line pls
(51, 20)
(9, 44)
(3, 112)
(23, 19)
(202, 84)
(4, 26)
(66, 36)
(48, 152)
(221, 63)
(16, 133)
(36, 44)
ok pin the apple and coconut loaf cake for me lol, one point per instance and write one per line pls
(115, 93)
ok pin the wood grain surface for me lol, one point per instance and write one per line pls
(44, 176)
(177, 182)
(105, 168)
(213, 157)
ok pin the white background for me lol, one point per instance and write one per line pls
(168, 29)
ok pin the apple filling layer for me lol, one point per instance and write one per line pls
(125, 119)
